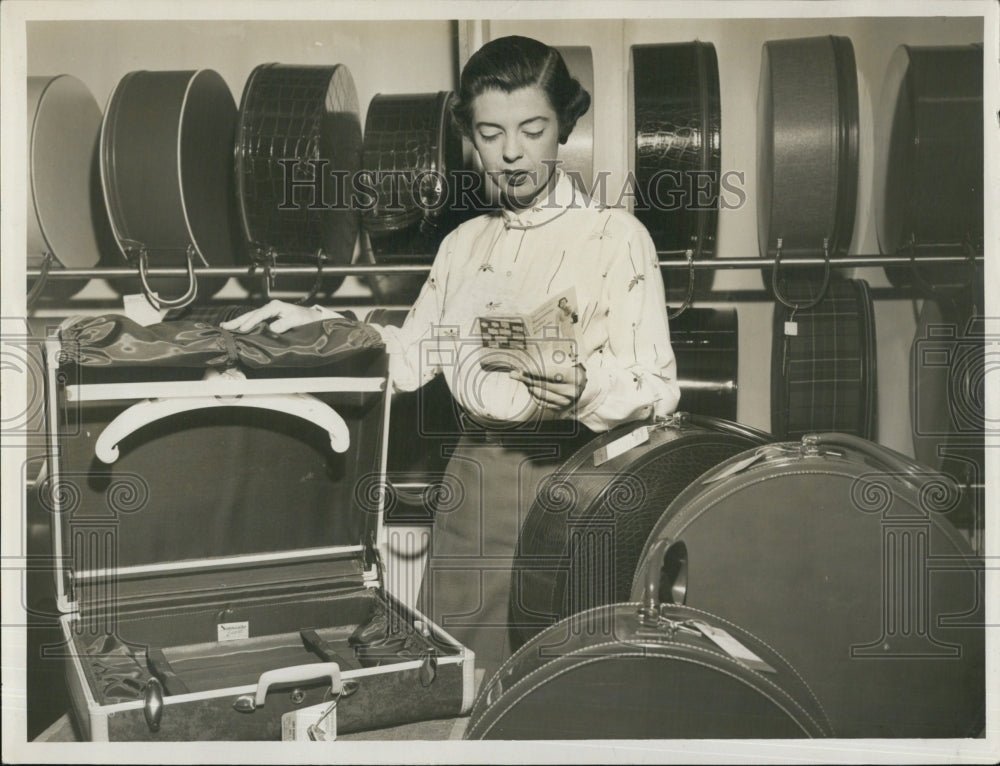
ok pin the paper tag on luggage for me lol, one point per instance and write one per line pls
(731, 646)
(138, 308)
(232, 631)
(621, 445)
(317, 723)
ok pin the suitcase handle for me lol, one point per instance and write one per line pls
(298, 673)
(894, 461)
(666, 571)
(946, 491)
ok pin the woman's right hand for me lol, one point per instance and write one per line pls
(285, 316)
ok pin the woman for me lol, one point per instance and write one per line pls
(517, 103)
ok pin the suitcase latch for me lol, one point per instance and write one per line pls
(152, 704)
(373, 560)
(428, 668)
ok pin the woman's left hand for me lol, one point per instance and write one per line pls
(554, 393)
(285, 316)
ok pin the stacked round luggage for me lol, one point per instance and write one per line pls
(794, 589)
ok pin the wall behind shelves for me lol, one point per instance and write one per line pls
(419, 56)
(383, 57)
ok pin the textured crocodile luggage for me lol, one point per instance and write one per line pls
(580, 542)
(677, 154)
(298, 134)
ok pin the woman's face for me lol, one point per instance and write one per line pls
(517, 137)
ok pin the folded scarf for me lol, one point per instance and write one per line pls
(112, 339)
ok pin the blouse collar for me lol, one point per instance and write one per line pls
(564, 196)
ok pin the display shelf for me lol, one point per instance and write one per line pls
(222, 387)
(842, 262)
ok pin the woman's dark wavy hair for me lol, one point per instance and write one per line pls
(511, 63)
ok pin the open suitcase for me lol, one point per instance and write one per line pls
(224, 568)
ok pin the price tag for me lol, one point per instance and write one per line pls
(621, 445)
(731, 646)
(317, 723)
(791, 328)
(233, 631)
(138, 308)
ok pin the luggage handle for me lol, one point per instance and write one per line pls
(190, 293)
(896, 461)
(247, 703)
(900, 465)
(666, 571)
(775, 289)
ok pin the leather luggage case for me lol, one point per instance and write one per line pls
(166, 159)
(839, 553)
(948, 364)
(929, 177)
(67, 222)
(580, 541)
(302, 121)
(706, 345)
(411, 151)
(807, 150)
(217, 570)
(641, 671)
(823, 362)
(677, 152)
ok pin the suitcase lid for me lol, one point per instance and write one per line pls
(179, 512)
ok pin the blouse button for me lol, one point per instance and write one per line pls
(509, 273)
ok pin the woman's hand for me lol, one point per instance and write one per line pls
(557, 392)
(285, 316)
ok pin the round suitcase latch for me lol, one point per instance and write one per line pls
(297, 696)
(152, 704)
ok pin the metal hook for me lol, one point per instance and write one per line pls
(169, 303)
(317, 283)
(823, 288)
(689, 297)
(43, 276)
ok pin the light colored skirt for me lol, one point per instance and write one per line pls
(492, 483)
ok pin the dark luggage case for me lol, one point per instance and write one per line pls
(581, 539)
(840, 554)
(646, 671)
(226, 565)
